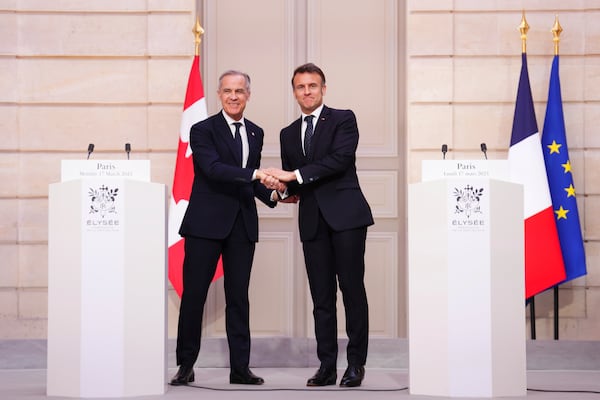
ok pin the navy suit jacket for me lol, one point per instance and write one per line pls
(221, 187)
(330, 184)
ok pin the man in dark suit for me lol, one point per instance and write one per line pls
(318, 153)
(221, 219)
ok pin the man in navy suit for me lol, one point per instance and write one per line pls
(221, 220)
(318, 153)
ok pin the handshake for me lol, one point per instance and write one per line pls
(277, 179)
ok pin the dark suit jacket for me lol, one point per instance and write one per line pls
(221, 187)
(330, 184)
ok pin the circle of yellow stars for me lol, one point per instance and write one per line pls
(555, 149)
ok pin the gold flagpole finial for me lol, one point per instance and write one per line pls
(198, 32)
(556, 30)
(524, 28)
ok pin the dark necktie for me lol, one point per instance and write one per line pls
(308, 134)
(238, 140)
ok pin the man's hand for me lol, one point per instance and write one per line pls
(281, 175)
(270, 181)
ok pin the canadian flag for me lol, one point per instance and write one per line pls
(194, 110)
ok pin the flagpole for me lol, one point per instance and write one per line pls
(524, 28)
(556, 31)
(198, 32)
(194, 111)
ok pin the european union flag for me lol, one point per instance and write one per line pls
(560, 180)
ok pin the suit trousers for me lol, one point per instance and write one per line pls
(199, 265)
(329, 255)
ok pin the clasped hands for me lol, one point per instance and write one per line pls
(277, 179)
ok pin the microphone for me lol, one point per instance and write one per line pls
(484, 149)
(444, 150)
(90, 150)
(128, 149)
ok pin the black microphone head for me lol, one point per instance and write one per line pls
(483, 147)
(90, 149)
(128, 147)
(444, 148)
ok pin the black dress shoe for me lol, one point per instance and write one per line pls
(244, 377)
(353, 376)
(324, 377)
(184, 375)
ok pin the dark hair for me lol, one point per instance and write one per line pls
(309, 68)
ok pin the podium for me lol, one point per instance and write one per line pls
(107, 282)
(466, 282)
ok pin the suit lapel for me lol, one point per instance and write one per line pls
(296, 137)
(321, 130)
(225, 131)
(252, 144)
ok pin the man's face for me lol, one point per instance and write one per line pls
(233, 95)
(309, 91)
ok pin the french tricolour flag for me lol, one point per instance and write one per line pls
(194, 110)
(544, 265)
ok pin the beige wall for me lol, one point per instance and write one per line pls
(463, 63)
(72, 73)
(361, 63)
(417, 75)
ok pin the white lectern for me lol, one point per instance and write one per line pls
(106, 281)
(466, 283)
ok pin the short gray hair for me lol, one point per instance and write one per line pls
(233, 72)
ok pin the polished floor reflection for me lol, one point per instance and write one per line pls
(561, 370)
(289, 384)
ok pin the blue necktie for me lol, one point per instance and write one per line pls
(308, 135)
(238, 140)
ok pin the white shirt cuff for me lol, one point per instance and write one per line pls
(298, 176)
